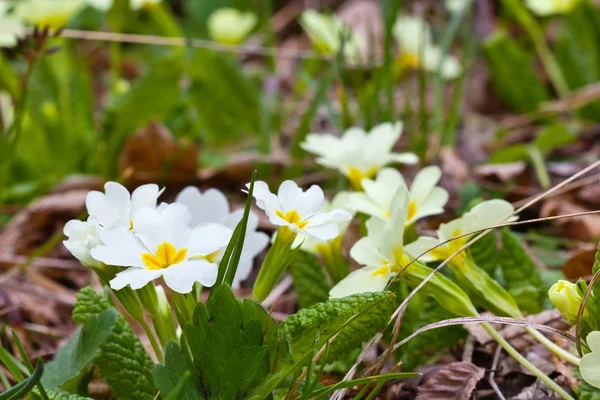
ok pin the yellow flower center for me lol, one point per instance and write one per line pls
(130, 224)
(292, 217)
(356, 176)
(55, 21)
(412, 210)
(166, 255)
(381, 271)
(408, 61)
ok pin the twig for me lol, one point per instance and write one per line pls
(491, 380)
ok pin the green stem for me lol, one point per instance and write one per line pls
(539, 42)
(276, 261)
(553, 347)
(525, 363)
(333, 259)
(537, 159)
(155, 346)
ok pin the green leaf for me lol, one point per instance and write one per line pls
(9, 81)
(22, 388)
(577, 51)
(596, 288)
(552, 137)
(508, 154)
(522, 278)
(153, 96)
(52, 395)
(485, 253)
(226, 101)
(361, 381)
(309, 280)
(169, 377)
(229, 352)
(123, 360)
(80, 350)
(302, 328)
(513, 74)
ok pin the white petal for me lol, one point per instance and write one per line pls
(424, 182)
(593, 341)
(384, 136)
(412, 33)
(74, 227)
(254, 244)
(206, 238)
(111, 208)
(321, 144)
(402, 158)
(360, 202)
(80, 252)
(486, 214)
(210, 206)
(322, 232)
(137, 278)
(289, 195)
(144, 196)
(181, 277)
(265, 200)
(365, 252)
(337, 215)
(154, 228)
(433, 205)
(310, 201)
(121, 247)
(360, 281)
(242, 273)
(422, 245)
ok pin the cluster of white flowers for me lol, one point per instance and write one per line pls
(182, 242)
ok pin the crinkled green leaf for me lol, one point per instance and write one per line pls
(485, 253)
(513, 73)
(52, 395)
(309, 280)
(80, 350)
(228, 348)
(522, 278)
(123, 360)
(169, 376)
(302, 328)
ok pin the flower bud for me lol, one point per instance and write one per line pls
(566, 298)
(230, 26)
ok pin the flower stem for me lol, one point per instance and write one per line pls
(277, 260)
(157, 348)
(553, 347)
(525, 363)
(333, 259)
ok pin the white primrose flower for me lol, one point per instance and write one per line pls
(482, 216)
(545, 8)
(117, 207)
(12, 26)
(105, 5)
(358, 154)
(212, 206)
(417, 49)
(230, 25)
(54, 14)
(326, 32)
(425, 197)
(382, 252)
(298, 210)
(163, 244)
(82, 237)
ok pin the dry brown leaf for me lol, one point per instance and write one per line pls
(43, 218)
(579, 264)
(153, 155)
(504, 172)
(454, 381)
(590, 195)
(584, 228)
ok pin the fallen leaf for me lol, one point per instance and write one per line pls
(454, 381)
(153, 155)
(579, 264)
(590, 195)
(584, 228)
(504, 172)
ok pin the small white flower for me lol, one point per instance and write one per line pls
(299, 210)
(589, 367)
(117, 207)
(482, 216)
(82, 237)
(545, 8)
(326, 33)
(310, 244)
(358, 154)
(54, 14)
(382, 252)
(12, 26)
(417, 49)
(425, 197)
(212, 206)
(164, 245)
(230, 26)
